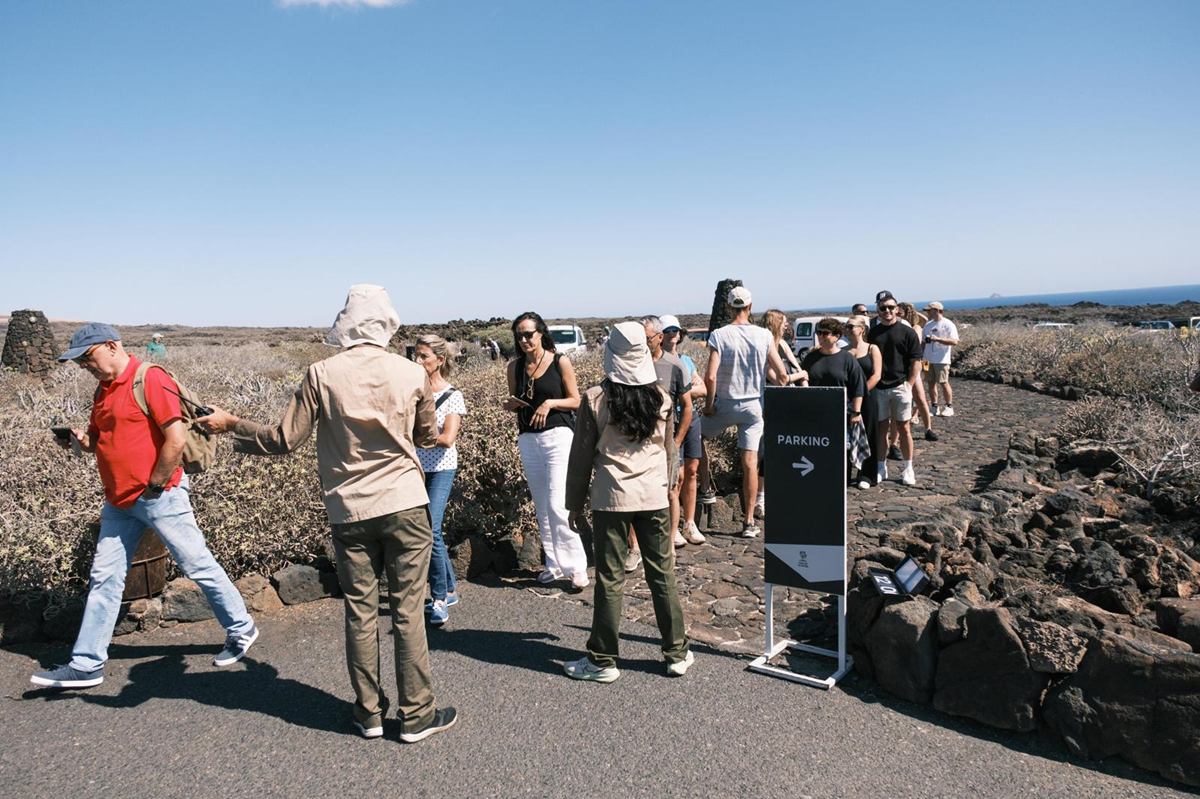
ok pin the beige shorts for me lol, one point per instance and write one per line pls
(939, 373)
(894, 403)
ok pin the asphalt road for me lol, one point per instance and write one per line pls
(167, 723)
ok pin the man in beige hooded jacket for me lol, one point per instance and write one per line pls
(374, 409)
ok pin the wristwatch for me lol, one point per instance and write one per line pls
(156, 489)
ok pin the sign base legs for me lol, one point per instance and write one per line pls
(845, 662)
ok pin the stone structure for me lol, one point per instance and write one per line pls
(29, 346)
(720, 312)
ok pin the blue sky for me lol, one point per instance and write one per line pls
(244, 161)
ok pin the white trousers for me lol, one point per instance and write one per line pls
(544, 456)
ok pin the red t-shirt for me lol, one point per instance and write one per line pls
(127, 443)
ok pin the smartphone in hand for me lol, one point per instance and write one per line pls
(66, 434)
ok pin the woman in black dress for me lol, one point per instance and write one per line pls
(826, 365)
(870, 360)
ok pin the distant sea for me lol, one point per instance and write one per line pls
(1161, 295)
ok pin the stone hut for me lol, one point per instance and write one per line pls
(720, 312)
(29, 345)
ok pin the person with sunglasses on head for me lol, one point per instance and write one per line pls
(776, 321)
(138, 455)
(829, 366)
(625, 439)
(871, 362)
(544, 395)
(440, 463)
(900, 350)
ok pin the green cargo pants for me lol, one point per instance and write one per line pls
(610, 536)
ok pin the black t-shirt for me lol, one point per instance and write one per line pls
(839, 369)
(899, 345)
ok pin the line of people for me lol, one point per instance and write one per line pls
(631, 449)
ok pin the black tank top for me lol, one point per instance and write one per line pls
(868, 365)
(548, 386)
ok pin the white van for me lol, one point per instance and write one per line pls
(804, 335)
(568, 339)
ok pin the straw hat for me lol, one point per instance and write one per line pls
(626, 357)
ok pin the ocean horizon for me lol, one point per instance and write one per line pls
(1157, 295)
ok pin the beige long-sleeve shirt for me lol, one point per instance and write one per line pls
(630, 475)
(372, 409)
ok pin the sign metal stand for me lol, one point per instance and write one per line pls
(806, 457)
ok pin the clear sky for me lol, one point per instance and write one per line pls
(244, 161)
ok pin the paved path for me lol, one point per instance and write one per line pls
(167, 723)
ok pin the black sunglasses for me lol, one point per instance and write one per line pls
(527, 336)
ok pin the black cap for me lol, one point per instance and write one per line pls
(883, 295)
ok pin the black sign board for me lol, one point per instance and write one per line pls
(908, 579)
(805, 451)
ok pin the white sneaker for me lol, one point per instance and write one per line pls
(693, 534)
(758, 511)
(933, 409)
(948, 410)
(908, 478)
(548, 576)
(863, 485)
(679, 540)
(679, 669)
(632, 561)
(580, 580)
(585, 669)
(880, 473)
(751, 530)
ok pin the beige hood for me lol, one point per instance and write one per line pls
(368, 318)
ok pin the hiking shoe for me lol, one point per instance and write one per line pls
(451, 598)
(443, 719)
(368, 732)
(708, 497)
(438, 614)
(549, 576)
(678, 540)
(751, 531)
(880, 473)
(930, 435)
(948, 410)
(632, 561)
(894, 453)
(65, 676)
(236, 647)
(679, 669)
(585, 669)
(908, 478)
(580, 581)
(693, 534)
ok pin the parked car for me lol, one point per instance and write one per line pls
(1051, 325)
(1156, 324)
(804, 336)
(568, 339)
(698, 335)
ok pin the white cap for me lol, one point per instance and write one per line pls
(669, 322)
(739, 297)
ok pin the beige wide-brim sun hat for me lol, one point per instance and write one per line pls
(368, 318)
(627, 357)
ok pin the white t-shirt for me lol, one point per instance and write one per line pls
(443, 459)
(743, 349)
(935, 352)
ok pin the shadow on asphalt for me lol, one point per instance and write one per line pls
(1041, 744)
(254, 686)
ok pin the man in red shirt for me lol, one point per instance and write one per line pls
(144, 486)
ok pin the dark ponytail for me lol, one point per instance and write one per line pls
(634, 409)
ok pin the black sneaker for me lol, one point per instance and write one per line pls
(894, 453)
(236, 647)
(930, 435)
(708, 497)
(66, 677)
(443, 719)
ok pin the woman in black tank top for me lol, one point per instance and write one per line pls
(544, 395)
(871, 360)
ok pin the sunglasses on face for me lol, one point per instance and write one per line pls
(527, 336)
(82, 359)
(826, 333)
(887, 308)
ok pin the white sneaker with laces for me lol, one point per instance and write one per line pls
(908, 478)
(679, 669)
(880, 473)
(693, 534)
(863, 485)
(678, 540)
(585, 669)
(948, 410)
(758, 511)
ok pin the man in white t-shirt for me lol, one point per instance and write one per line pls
(940, 335)
(738, 356)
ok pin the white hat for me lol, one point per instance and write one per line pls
(669, 322)
(627, 358)
(739, 297)
(368, 318)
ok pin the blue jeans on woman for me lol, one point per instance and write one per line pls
(441, 572)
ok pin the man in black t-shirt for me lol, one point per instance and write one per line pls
(901, 350)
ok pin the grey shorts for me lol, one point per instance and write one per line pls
(894, 403)
(746, 414)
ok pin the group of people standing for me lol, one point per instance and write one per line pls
(386, 427)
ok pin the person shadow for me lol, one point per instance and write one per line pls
(257, 687)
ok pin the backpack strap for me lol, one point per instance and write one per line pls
(445, 396)
(139, 387)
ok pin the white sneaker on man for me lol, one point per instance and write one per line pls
(692, 533)
(680, 668)
(678, 540)
(948, 410)
(908, 478)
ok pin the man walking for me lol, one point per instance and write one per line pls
(138, 456)
(901, 351)
(940, 335)
(739, 354)
(372, 408)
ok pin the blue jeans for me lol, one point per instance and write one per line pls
(441, 572)
(120, 530)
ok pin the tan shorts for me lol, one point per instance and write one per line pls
(939, 373)
(894, 403)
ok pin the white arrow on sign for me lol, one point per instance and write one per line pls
(805, 466)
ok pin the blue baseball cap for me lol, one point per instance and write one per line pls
(88, 336)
